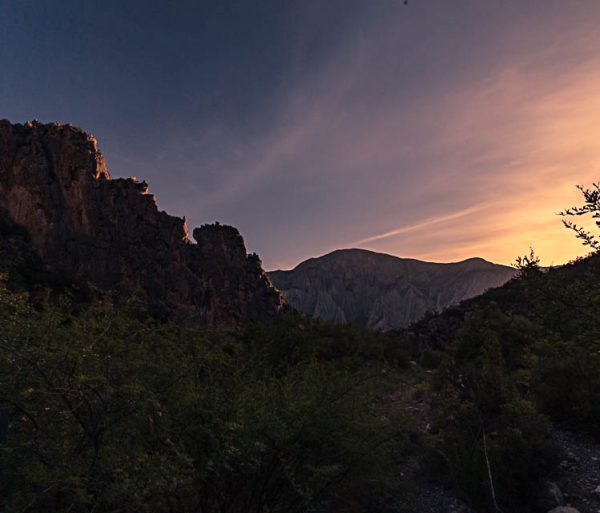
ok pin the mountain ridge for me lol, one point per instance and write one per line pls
(88, 227)
(381, 291)
(394, 257)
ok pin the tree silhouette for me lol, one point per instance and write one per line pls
(591, 206)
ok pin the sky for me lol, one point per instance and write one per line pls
(435, 130)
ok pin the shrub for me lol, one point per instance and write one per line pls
(112, 413)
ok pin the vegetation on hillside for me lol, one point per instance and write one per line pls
(112, 410)
(109, 412)
(508, 365)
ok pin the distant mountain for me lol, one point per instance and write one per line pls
(383, 292)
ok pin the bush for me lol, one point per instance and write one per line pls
(112, 413)
(488, 435)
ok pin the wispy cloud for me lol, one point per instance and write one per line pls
(440, 145)
(428, 223)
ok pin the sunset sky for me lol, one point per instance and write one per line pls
(438, 130)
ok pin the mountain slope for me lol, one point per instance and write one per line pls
(57, 197)
(521, 361)
(380, 291)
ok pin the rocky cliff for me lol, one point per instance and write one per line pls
(56, 191)
(383, 292)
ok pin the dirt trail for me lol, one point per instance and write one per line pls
(579, 470)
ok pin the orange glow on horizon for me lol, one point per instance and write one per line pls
(543, 146)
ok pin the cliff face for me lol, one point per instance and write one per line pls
(383, 292)
(54, 185)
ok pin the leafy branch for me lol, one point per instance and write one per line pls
(591, 206)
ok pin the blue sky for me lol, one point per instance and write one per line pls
(436, 130)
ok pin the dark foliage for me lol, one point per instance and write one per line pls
(112, 413)
(513, 361)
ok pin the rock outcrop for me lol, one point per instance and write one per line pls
(55, 187)
(383, 292)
